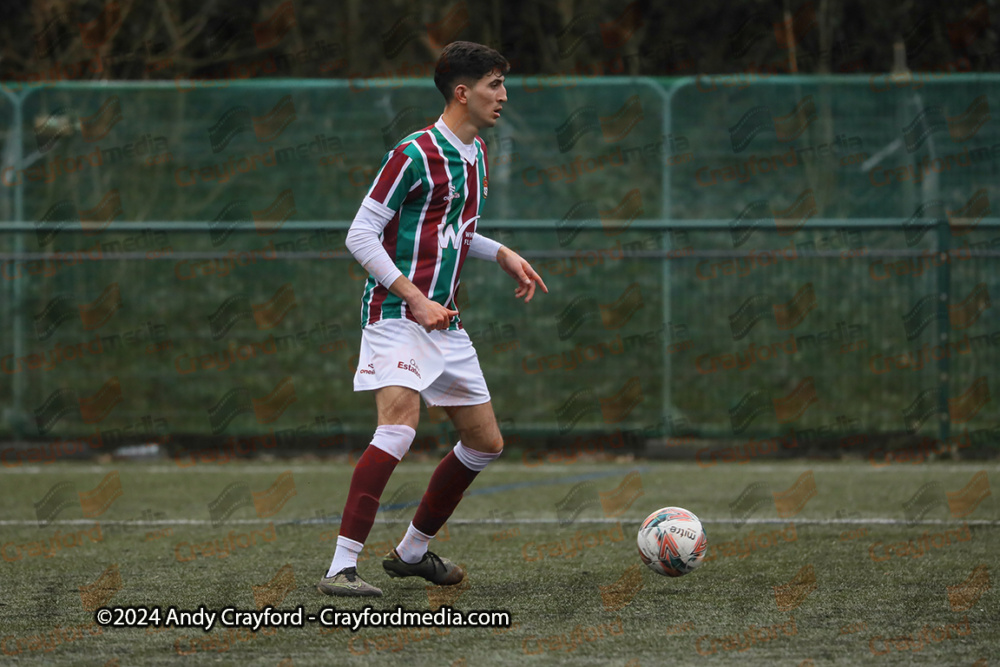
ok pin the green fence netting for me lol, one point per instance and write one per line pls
(808, 258)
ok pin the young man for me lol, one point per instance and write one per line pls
(413, 232)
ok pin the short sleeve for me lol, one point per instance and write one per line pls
(394, 181)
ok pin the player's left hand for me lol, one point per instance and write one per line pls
(520, 270)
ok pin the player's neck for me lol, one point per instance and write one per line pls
(457, 120)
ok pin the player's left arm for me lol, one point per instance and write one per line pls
(516, 266)
(520, 270)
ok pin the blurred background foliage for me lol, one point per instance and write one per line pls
(157, 39)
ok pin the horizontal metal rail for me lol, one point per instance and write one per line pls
(539, 225)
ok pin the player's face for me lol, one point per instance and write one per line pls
(486, 100)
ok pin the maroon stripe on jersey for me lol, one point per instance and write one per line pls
(470, 211)
(390, 234)
(387, 177)
(427, 253)
(414, 194)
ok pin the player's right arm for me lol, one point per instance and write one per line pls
(393, 183)
(430, 314)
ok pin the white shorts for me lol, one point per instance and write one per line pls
(441, 365)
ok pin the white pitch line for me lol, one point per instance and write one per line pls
(318, 469)
(324, 468)
(499, 522)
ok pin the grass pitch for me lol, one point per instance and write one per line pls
(809, 563)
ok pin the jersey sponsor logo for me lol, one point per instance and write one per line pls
(367, 371)
(452, 194)
(448, 235)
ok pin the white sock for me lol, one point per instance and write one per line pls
(345, 556)
(413, 546)
(472, 459)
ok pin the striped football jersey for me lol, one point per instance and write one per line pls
(435, 194)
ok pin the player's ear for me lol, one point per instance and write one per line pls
(461, 94)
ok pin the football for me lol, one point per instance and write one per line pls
(672, 541)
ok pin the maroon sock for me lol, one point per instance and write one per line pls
(448, 483)
(371, 474)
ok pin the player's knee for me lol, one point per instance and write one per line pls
(394, 439)
(475, 459)
(495, 445)
(480, 443)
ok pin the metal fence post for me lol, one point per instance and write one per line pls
(944, 328)
(667, 216)
(17, 414)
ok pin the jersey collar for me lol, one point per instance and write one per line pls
(467, 151)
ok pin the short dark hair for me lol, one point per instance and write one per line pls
(464, 62)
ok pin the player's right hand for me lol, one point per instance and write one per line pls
(432, 315)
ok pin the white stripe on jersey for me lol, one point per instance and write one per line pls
(447, 210)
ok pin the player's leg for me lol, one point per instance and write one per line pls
(480, 443)
(397, 360)
(398, 416)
